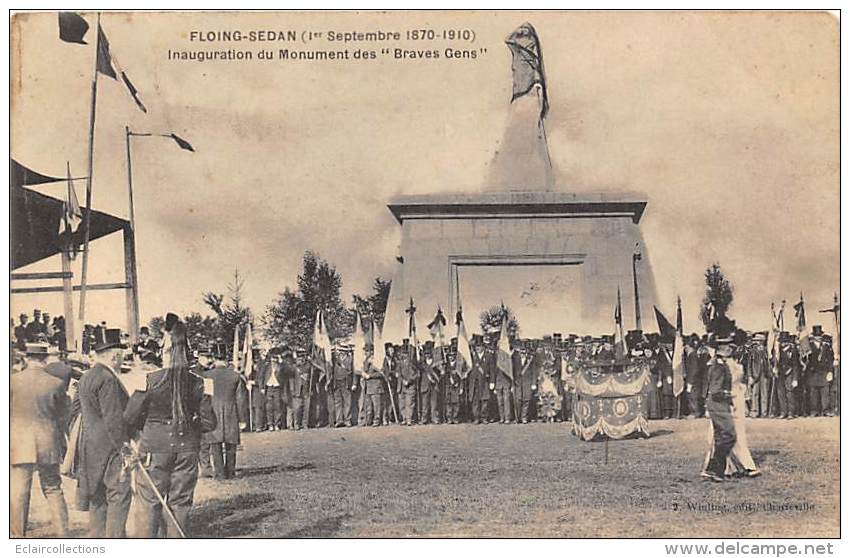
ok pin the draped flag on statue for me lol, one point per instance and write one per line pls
(527, 64)
(619, 338)
(503, 350)
(464, 353)
(358, 340)
(249, 353)
(436, 330)
(803, 334)
(679, 353)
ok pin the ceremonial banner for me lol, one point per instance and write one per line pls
(610, 403)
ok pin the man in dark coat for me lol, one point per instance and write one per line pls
(408, 376)
(21, 333)
(429, 386)
(788, 380)
(526, 373)
(299, 388)
(375, 390)
(221, 442)
(821, 362)
(477, 382)
(103, 485)
(343, 385)
(664, 364)
(759, 375)
(37, 413)
(719, 404)
(454, 385)
(173, 412)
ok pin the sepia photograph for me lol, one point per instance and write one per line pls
(428, 274)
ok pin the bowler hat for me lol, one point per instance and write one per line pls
(817, 330)
(111, 340)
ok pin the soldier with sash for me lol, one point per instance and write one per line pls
(408, 376)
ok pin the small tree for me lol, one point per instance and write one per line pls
(718, 295)
(491, 320)
(374, 305)
(230, 314)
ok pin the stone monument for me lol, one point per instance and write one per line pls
(555, 258)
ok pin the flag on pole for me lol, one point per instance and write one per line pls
(72, 215)
(619, 338)
(527, 64)
(436, 330)
(802, 333)
(107, 64)
(411, 327)
(319, 356)
(503, 350)
(378, 351)
(464, 352)
(359, 342)
(236, 348)
(665, 328)
(679, 353)
(249, 353)
(72, 28)
(181, 142)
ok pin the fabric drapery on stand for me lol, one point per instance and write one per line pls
(611, 402)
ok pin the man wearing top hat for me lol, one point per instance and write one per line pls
(103, 485)
(219, 444)
(454, 384)
(525, 373)
(37, 412)
(719, 406)
(389, 369)
(478, 379)
(820, 375)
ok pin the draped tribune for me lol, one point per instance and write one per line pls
(611, 400)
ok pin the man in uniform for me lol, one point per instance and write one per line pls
(454, 385)
(390, 372)
(758, 371)
(788, 378)
(173, 412)
(299, 386)
(478, 379)
(374, 389)
(271, 382)
(719, 405)
(21, 333)
(503, 387)
(145, 344)
(429, 385)
(664, 364)
(343, 385)
(37, 412)
(220, 443)
(104, 486)
(820, 362)
(525, 373)
(35, 327)
(408, 375)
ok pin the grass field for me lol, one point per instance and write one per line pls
(534, 480)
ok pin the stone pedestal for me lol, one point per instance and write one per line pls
(590, 236)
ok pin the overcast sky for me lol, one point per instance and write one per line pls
(728, 123)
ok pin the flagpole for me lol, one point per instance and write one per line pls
(85, 265)
(131, 293)
(67, 288)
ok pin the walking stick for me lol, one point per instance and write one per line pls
(392, 400)
(250, 408)
(137, 460)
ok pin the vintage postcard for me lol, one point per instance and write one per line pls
(425, 274)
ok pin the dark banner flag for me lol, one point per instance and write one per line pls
(72, 28)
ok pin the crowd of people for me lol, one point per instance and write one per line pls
(162, 413)
(428, 386)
